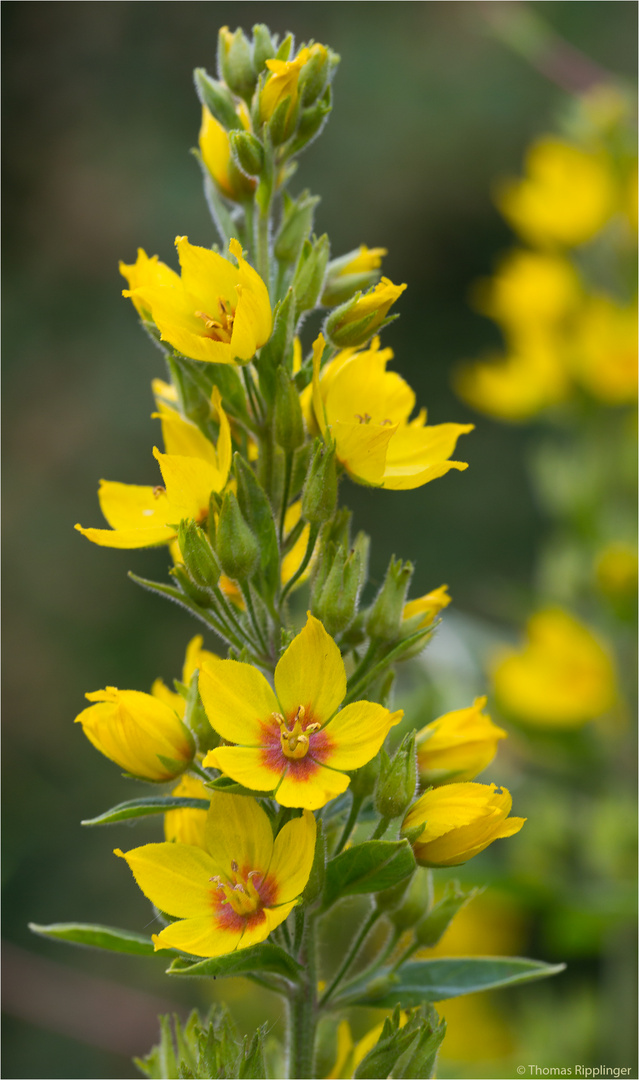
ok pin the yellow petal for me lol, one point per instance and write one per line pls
(238, 831)
(246, 765)
(358, 732)
(203, 936)
(362, 449)
(195, 657)
(184, 438)
(189, 482)
(293, 856)
(311, 673)
(206, 275)
(311, 792)
(238, 700)
(128, 538)
(174, 877)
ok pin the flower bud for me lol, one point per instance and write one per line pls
(237, 548)
(336, 606)
(247, 152)
(386, 613)
(363, 780)
(314, 74)
(398, 779)
(199, 558)
(354, 323)
(457, 746)
(417, 902)
(138, 732)
(319, 495)
(310, 123)
(296, 226)
(458, 821)
(434, 924)
(391, 899)
(355, 271)
(217, 98)
(264, 47)
(215, 147)
(235, 64)
(289, 423)
(201, 596)
(311, 271)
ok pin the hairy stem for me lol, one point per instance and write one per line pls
(351, 955)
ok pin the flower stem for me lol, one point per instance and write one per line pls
(352, 818)
(351, 955)
(303, 1010)
(305, 561)
(248, 599)
(288, 470)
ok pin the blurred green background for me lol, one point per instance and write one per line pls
(99, 115)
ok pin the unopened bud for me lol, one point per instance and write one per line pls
(353, 324)
(235, 64)
(310, 123)
(296, 226)
(289, 422)
(319, 496)
(311, 271)
(314, 74)
(217, 98)
(237, 548)
(363, 781)
(385, 617)
(432, 926)
(337, 605)
(264, 48)
(398, 780)
(199, 559)
(247, 152)
(201, 596)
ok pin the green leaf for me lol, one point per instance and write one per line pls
(437, 980)
(231, 787)
(266, 957)
(153, 804)
(409, 1051)
(98, 937)
(368, 867)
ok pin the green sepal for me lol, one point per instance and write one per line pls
(297, 222)
(310, 273)
(284, 50)
(266, 958)
(438, 980)
(231, 787)
(409, 1051)
(248, 152)
(367, 868)
(217, 98)
(310, 123)
(264, 46)
(93, 936)
(224, 376)
(280, 125)
(257, 512)
(198, 1050)
(279, 347)
(137, 808)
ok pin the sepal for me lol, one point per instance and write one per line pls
(218, 99)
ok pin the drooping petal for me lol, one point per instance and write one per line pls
(183, 437)
(189, 482)
(311, 674)
(251, 282)
(246, 765)
(204, 936)
(174, 877)
(206, 275)
(133, 506)
(312, 787)
(237, 699)
(357, 732)
(128, 538)
(238, 831)
(195, 658)
(362, 449)
(293, 856)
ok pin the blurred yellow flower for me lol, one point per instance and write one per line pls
(604, 358)
(457, 746)
(560, 679)
(566, 196)
(215, 149)
(215, 311)
(363, 260)
(517, 386)
(530, 290)
(616, 570)
(187, 825)
(459, 820)
(138, 732)
(365, 409)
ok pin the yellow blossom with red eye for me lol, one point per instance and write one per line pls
(138, 732)
(231, 893)
(215, 311)
(458, 745)
(561, 678)
(145, 516)
(294, 741)
(459, 820)
(187, 825)
(365, 409)
(215, 149)
(566, 196)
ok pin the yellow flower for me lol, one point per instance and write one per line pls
(293, 742)
(605, 351)
(457, 746)
(517, 386)
(283, 79)
(560, 679)
(146, 272)
(616, 570)
(363, 260)
(195, 657)
(138, 732)
(529, 291)
(460, 820)
(353, 323)
(566, 197)
(142, 516)
(215, 149)
(214, 312)
(428, 606)
(366, 409)
(234, 891)
(187, 826)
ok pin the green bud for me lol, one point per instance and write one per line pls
(264, 47)
(310, 273)
(247, 151)
(385, 617)
(319, 495)
(282, 123)
(237, 548)
(338, 530)
(289, 422)
(315, 883)
(199, 558)
(296, 225)
(201, 596)
(310, 123)
(398, 779)
(418, 900)
(363, 781)
(432, 926)
(234, 62)
(313, 76)
(337, 605)
(218, 99)
(279, 346)
(393, 898)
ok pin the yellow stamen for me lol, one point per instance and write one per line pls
(295, 741)
(239, 891)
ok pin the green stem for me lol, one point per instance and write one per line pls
(252, 394)
(406, 955)
(248, 599)
(379, 961)
(263, 257)
(231, 616)
(351, 955)
(381, 828)
(352, 818)
(307, 558)
(249, 227)
(303, 1014)
(288, 471)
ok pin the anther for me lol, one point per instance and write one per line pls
(234, 866)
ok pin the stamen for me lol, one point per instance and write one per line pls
(159, 490)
